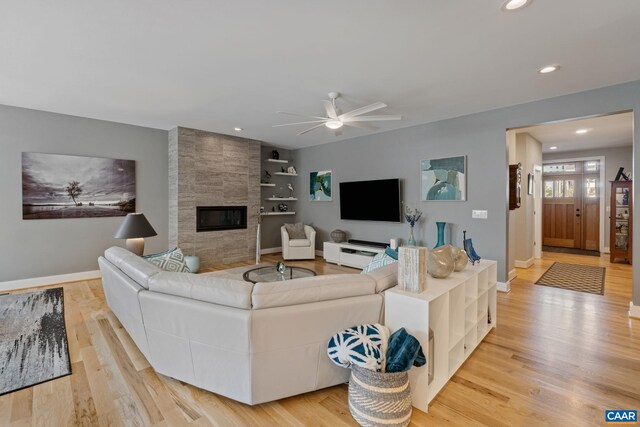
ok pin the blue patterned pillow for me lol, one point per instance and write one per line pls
(171, 260)
(391, 252)
(380, 260)
(364, 345)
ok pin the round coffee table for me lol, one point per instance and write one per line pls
(270, 274)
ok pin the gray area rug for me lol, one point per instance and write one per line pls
(33, 339)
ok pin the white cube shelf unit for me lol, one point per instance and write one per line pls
(460, 311)
(350, 255)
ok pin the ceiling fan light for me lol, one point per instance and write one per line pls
(333, 124)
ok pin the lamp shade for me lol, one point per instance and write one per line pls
(134, 226)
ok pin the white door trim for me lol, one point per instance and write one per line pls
(537, 207)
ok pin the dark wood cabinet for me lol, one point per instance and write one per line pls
(621, 221)
(515, 185)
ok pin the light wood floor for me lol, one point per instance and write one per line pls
(556, 358)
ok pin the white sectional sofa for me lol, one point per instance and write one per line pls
(251, 343)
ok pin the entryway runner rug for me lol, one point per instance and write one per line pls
(574, 277)
(33, 339)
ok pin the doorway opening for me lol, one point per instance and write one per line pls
(566, 173)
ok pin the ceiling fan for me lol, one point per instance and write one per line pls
(336, 119)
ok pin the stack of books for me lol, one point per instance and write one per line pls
(412, 268)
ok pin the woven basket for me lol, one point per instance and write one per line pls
(379, 399)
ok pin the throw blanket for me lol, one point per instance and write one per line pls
(364, 345)
(403, 352)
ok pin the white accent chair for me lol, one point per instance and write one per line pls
(299, 248)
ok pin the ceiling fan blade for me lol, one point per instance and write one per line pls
(338, 132)
(299, 123)
(300, 115)
(331, 111)
(310, 129)
(361, 126)
(362, 110)
(374, 118)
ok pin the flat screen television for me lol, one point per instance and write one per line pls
(377, 200)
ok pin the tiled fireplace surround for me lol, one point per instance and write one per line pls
(209, 169)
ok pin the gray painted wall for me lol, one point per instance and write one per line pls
(614, 158)
(270, 228)
(36, 248)
(482, 138)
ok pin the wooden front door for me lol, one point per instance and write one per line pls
(561, 216)
(571, 205)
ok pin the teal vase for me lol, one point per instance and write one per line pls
(412, 240)
(440, 226)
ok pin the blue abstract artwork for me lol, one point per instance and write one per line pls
(320, 186)
(444, 179)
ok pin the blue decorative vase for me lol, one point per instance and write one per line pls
(440, 226)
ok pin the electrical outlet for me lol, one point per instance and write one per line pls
(479, 214)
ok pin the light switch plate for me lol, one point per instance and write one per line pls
(479, 214)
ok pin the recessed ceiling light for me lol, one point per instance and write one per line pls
(333, 124)
(548, 69)
(237, 129)
(511, 5)
(553, 148)
(582, 131)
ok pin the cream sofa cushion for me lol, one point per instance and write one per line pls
(385, 277)
(299, 243)
(311, 289)
(137, 268)
(229, 292)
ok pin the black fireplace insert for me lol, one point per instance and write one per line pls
(214, 218)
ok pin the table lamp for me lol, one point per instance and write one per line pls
(135, 228)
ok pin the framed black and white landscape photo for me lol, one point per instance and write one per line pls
(60, 186)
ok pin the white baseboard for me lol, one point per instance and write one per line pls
(606, 250)
(270, 250)
(524, 264)
(512, 275)
(634, 310)
(13, 285)
(319, 253)
(503, 287)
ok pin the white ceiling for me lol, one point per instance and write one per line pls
(214, 65)
(615, 130)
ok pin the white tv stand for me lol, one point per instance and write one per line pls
(349, 254)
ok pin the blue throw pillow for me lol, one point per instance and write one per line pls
(380, 260)
(391, 252)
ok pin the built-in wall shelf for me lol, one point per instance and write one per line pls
(276, 161)
(264, 184)
(277, 213)
(278, 199)
(285, 174)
